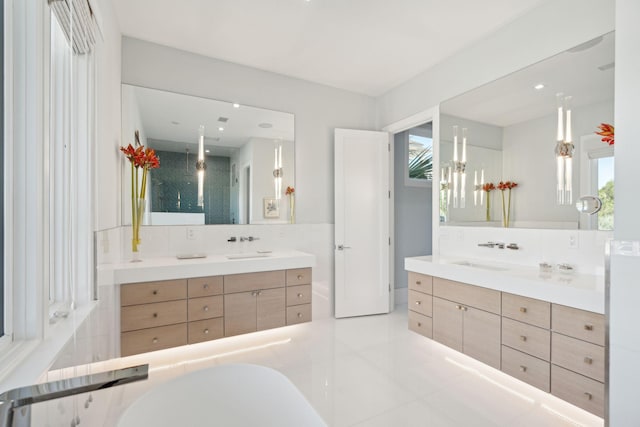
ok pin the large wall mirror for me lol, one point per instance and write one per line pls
(511, 131)
(245, 150)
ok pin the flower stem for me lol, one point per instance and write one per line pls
(134, 208)
(509, 209)
(504, 213)
(488, 206)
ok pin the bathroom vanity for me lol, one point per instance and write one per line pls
(547, 330)
(170, 302)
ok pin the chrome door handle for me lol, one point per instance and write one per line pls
(342, 247)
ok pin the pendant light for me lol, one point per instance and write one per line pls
(277, 169)
(200, 167)
(564, 152)
(458, 169)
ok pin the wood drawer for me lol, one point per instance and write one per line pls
(299, 276)
(526, 368)
(297, 295)
(148, 292)
(527, 310)
(526, 338)
(578, 356)
(585, 325)
(205, 307)
(421, 303)
(143, 316)
(298, 314)
(153, 339)
(253, 281)
(205, 286)
(205, 330)
(577, 389)
(420, 282)
(421, 324)
(473, 296)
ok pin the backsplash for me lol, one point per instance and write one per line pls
(582, 249)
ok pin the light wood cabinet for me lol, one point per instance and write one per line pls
(262, 307)
(164, 314)
(459, 324)
(555, 348)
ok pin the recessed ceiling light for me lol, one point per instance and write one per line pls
(265, 125)
(539, 86)
(207, 151)
(220, 128)
(236, 105)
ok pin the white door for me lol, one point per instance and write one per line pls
(362, 284)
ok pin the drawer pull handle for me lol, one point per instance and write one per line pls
(299, 315)
(155, 340)
(523, 309)
(523, 338)
(205, 308)
(418, 302)
(419, 324)
(206, 331)
(259, 293)
(205, 286)
(588, 395)
(155, 292)
(588, 327)
(418, 282)
(300, 276)
(300, 295)
(523, 368)
(588, 360)
(155, 315)
(464, 308)
(459, 307)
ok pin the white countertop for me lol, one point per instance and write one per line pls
(583, 291)
(168, 268)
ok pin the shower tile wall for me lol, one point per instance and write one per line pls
(177, 176)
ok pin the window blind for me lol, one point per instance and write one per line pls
(77, 22)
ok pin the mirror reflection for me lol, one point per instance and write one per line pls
(244, 150)
(509, 129)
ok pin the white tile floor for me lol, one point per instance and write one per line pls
(366, 371)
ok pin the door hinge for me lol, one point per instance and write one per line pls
(389, 287)
(389, 241)
(389, 147)
(389, 193)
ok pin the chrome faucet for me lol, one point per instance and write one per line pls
(15, 405)
(492, 245)
(250, 238)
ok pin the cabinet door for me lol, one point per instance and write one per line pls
(239, 313)
(271, 309)
(447, 323)
(481, 338)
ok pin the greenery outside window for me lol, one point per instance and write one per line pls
(419, 156)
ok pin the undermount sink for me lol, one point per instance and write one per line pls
(479, 265)
(248, 255)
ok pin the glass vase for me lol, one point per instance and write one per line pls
(292, 209)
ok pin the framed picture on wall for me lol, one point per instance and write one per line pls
(271, 208)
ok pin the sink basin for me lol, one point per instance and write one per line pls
(479, 265)
(248, 255)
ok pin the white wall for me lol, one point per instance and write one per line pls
(318, 109)
(108, 174)
(625, 268)
(550, 29)
(528, 159)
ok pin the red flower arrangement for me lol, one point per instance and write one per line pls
(506, 209)
(289, 191)
(144, 159)
(487, 187)
(607, 132)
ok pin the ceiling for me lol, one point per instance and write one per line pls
(364, 46)
(513, 99)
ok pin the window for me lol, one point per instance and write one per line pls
(605, 192)
(419, 156)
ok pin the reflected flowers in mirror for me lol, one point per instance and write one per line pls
(506, 208)
(607, 132)
(487, 188)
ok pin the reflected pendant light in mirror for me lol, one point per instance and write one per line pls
(459, 166)
(200, 167)
(564, 152)
(277, 170)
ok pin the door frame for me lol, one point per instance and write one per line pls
(433, 115)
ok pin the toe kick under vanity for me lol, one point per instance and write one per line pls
(166, 302)
(545, 330)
